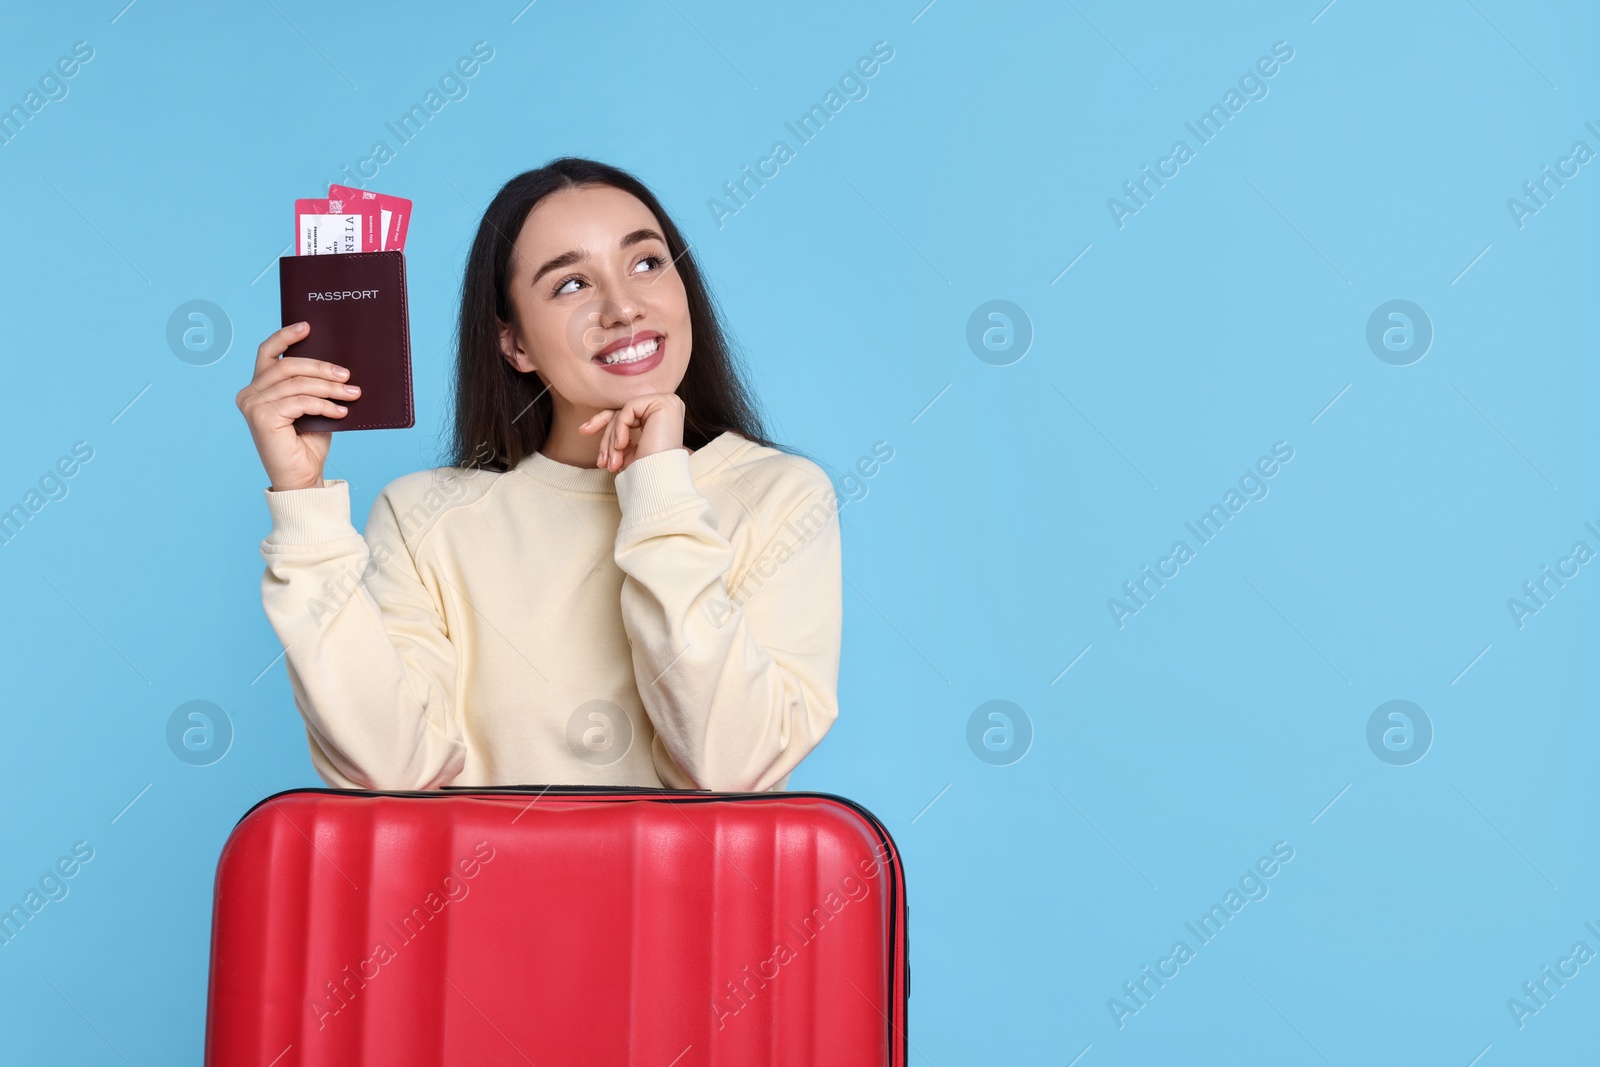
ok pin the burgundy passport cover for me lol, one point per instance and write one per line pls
(356, 305)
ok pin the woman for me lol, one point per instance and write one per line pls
(618, 580)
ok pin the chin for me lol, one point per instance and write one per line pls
(655, 380)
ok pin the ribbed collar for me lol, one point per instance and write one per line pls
(600, 482)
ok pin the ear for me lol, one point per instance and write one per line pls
(511, 349)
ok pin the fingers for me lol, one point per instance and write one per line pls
(288, 398)
(286, 387)
(629, 442)
(621, 424)
(617, 426)
(279, 341)
(295, 406)
(595, 422)
(614, 446)
(272, 412)
(274, 391)
(604, 423)
(611, 447)
(291, 368)
(302, 365)
(271, 362)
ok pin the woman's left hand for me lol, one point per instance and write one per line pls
(642, 426)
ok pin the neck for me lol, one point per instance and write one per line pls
(565, 444)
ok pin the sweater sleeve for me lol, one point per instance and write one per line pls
(370, 661)
(740, 687)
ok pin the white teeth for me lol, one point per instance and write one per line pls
(633, 353)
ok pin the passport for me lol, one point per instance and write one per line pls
(356, 305)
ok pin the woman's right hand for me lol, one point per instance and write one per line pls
(282, 390)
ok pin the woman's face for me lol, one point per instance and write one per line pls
(591, 274)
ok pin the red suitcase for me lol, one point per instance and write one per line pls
(556, 925)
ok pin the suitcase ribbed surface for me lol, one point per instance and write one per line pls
(558, 926)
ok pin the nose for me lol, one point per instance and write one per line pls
(603, 318)
(618, 307)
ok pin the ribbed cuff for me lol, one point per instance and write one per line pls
(311, 516)
(655, 484)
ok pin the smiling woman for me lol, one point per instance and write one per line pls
(563, 615)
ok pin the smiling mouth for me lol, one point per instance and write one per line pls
(632, 354)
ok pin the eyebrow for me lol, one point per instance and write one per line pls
(567, 259)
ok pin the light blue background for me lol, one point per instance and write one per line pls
(1226, 315)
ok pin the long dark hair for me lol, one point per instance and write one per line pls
(502, 415)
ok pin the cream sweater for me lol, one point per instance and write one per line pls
(675, 624)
